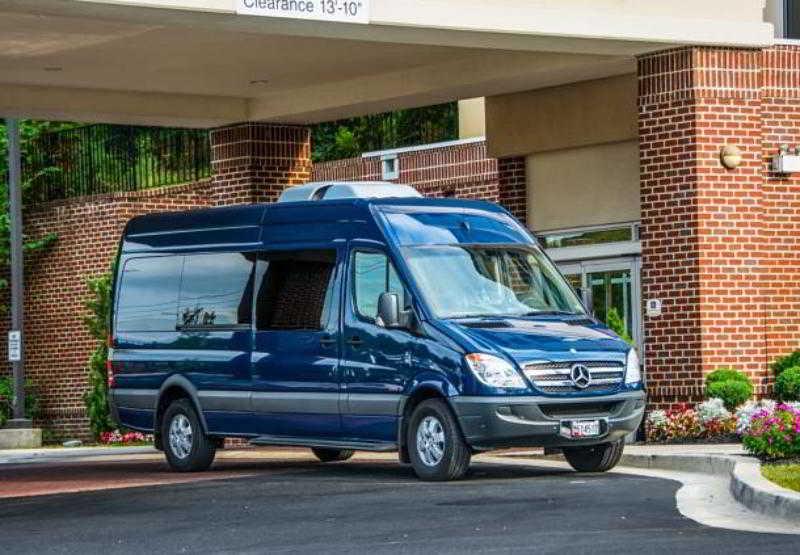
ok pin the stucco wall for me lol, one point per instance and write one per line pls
(584, 186)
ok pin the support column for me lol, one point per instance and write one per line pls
(701, 224)
(255, 162)
(513, 186)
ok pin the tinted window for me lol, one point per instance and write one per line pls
(216, 290)
(148, 294)
(373, 275)
(297, 290)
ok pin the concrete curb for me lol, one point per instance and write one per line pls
(55, 454)
(747, 485)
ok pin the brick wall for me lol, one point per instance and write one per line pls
(57, 344)
(255, 162)
(719, 246)
(457, 170)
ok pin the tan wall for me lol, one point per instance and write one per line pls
(579, 114)
(471, 118)
(583, 186)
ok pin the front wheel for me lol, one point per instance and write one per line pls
(186, 447)
(595, 458)
(436, 448)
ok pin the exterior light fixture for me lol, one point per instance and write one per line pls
(730, 156)
(787, 160)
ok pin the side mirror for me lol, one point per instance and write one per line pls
(389, 310)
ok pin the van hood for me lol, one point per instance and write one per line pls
(525, 340)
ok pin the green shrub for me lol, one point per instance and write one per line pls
(96, 397)
(616, 324)
(787, 384)
(730, 385)
(7, 400)
(782, 363)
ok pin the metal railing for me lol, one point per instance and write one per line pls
(99, 159)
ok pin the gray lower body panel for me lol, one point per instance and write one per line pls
(534, 421)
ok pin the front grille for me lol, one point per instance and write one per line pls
(554, 377)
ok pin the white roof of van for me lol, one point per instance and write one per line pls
(329, 190)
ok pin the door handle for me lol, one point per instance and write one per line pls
(355, 341)
(327, 341)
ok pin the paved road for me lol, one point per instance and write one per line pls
(370, 507)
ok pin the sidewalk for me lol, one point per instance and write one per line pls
(56, 454)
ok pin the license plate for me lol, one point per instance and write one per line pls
(584, 428)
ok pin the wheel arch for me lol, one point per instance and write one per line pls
(423, 391)
(176, 387)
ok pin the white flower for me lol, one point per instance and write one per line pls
(712, 409)
(657, 418)
(745, 413)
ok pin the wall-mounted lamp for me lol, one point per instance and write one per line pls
(787, 160)
(730, 156)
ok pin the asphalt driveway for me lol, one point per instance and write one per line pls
(264, 506)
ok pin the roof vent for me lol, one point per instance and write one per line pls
(329, 190)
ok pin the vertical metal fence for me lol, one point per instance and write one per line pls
(100, 159)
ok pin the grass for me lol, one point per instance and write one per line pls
(785, 475)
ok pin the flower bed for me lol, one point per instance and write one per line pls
(124, 438)
(773, 432)
(709, 421)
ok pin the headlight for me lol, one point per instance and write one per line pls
(633, 373)
(494, 371)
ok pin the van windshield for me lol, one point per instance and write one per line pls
(463, 281)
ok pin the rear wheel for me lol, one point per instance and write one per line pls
(595, 458)
(186, 447)
(436, 448)
(332, 455)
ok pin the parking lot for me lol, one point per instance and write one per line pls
(255, 503)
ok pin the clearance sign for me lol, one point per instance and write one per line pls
(348, 11)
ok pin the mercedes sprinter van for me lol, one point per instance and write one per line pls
(360, 316)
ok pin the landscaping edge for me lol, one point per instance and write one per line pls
(747, 485)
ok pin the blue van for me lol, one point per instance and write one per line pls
(359, 316)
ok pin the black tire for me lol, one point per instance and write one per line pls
(595, 458)
(332, 455)
(198, 451)
(455, 457)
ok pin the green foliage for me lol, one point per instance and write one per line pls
(352, 137)
(730, 385)
(789, 361)
(785, 475)
(96, 396)
(29, 132)
(787, 384)
(7, 399)
(615, 322)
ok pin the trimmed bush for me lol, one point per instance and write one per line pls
(782, 363)
(787, 384)
(7, 400)
(730, 385)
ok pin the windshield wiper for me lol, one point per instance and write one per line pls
(550, 313)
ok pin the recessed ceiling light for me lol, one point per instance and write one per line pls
(53, 68)
(259, 81)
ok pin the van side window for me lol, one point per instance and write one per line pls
(297, 290)
(373, 274)
(216, 290)
(148, 294)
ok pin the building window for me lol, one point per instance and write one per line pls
(792, 19)
(594, 236)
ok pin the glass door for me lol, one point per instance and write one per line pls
(610, 289)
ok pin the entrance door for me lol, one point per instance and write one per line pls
(609, 284)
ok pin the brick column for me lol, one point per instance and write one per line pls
(701, 225)
(513, 187)
(255, 162)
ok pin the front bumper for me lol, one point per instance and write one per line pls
(535, 421)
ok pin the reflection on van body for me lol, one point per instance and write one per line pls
(435, 328)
